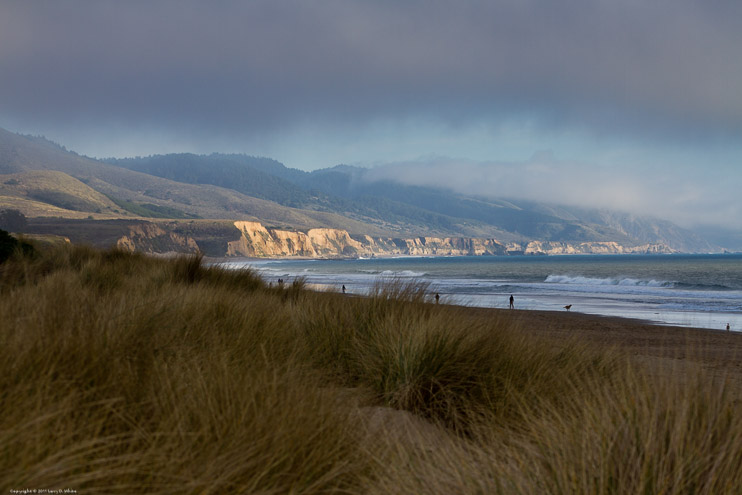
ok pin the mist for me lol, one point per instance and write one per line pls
(638, 102)
(687, 197)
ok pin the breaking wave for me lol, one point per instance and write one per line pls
(625, 282)
(394, 273)
(401, 273)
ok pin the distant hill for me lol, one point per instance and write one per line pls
(141, 195)
(52, 193)
(413, 209)
(238, 172)
(270, 180)
(43, 179)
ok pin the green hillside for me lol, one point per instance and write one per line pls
(52, 192)
(270, 180)
(413, 210)
(242, 187)
(134, 194)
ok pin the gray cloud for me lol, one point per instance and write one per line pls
(668, 68)
(350, 80)
(688, 197)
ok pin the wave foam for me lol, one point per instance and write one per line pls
(402, 273)
(626, 282)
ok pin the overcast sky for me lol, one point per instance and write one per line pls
(630, 104)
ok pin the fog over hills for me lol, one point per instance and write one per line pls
(242, 187)
(423, 210)
(515, 120)
(134, 191)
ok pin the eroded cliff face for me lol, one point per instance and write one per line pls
(257, 241)
(254, 240)
(539, 247)
(151, 238)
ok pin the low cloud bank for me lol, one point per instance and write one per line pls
(685, 197)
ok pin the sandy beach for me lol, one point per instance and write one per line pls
(714, 350)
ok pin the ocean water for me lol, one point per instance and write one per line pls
(685, 290)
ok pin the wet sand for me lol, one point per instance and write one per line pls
(718, 351)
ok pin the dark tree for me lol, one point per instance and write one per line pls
(13, 220)
(9, 245)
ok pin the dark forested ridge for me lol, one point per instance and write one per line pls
(257, 177)
(347, 190)
(43, 179)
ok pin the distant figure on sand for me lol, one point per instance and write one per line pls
(512, 306)
(727, 327)
(567, 307)
(343, 289)
(438, 297)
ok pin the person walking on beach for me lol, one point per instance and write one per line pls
(727, 327)
(343, 289)
(512, 306)
(437, 297)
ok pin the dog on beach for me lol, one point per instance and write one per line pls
(567, 307)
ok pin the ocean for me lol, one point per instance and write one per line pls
(685, 290)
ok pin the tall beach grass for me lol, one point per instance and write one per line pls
(122, 373)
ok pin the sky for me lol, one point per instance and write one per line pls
(634, 105)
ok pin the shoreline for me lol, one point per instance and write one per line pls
(575, 323)
(656, 307)
(717, 351)
(224, 259)
(665, 348)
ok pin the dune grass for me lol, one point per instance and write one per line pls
(122, 373)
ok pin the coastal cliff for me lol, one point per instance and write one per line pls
(258, 241)
(152, 238)
(540, 247)
(254, 240)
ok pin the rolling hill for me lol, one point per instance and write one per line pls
(132, 190)
(43, 179)
(417, 210)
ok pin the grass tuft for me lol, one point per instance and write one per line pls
(122, 373)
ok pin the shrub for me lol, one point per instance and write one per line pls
(13, 220)
(10, 245)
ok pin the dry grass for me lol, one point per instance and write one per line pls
(121, 373)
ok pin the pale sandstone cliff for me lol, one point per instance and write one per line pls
(151, 238)
(257, 241)
(539, 247)
(333, 242)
